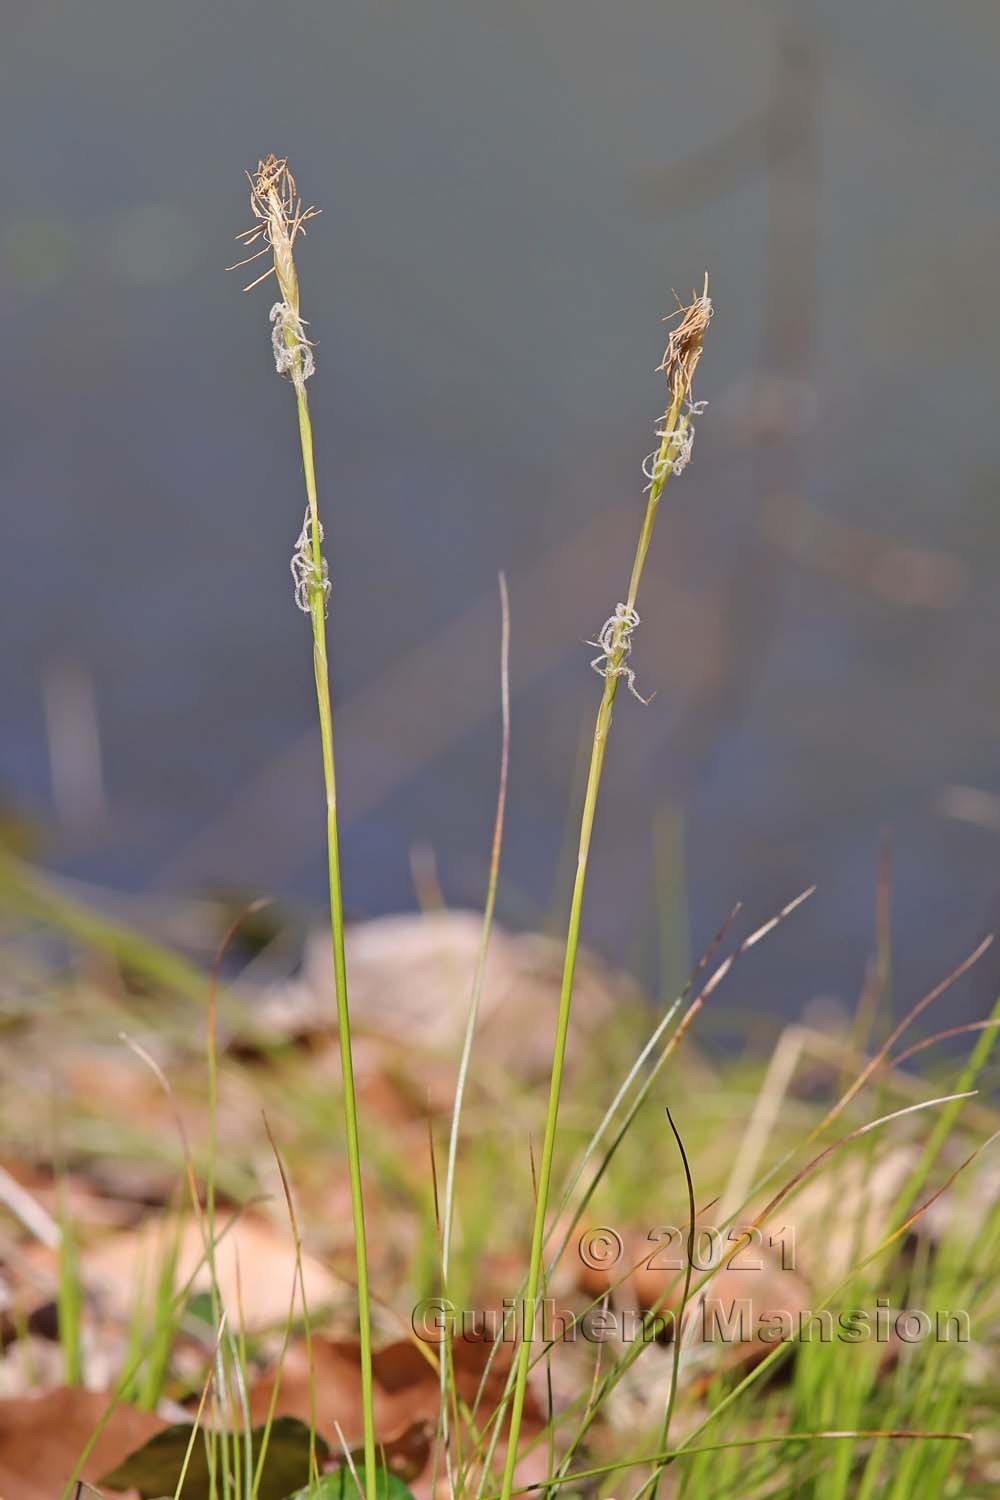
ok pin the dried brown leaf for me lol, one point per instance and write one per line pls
(42, 1437)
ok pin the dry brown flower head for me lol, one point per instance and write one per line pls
(278, 218)
(684, 344)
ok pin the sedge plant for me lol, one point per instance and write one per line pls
(676, 435)
(279, 219)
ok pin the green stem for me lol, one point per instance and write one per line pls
(317, 610)
(674, 427)
(447, 1370)
(679, 1321)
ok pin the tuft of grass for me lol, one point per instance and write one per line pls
(756, 1437)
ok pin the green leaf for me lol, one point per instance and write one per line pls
(155, 1469)
(340, 1485)
(201, 1310)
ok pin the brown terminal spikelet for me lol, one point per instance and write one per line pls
(279, 218)
(680, 360)
(684, 345)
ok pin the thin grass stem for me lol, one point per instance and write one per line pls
(675, 433)
(279, 219)
(446, 1363)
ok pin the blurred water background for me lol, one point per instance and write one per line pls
(510, 193)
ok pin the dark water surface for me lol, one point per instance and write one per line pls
(510, 192)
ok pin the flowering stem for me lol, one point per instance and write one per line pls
(683, 352)
(278, 219)
(317, 614)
